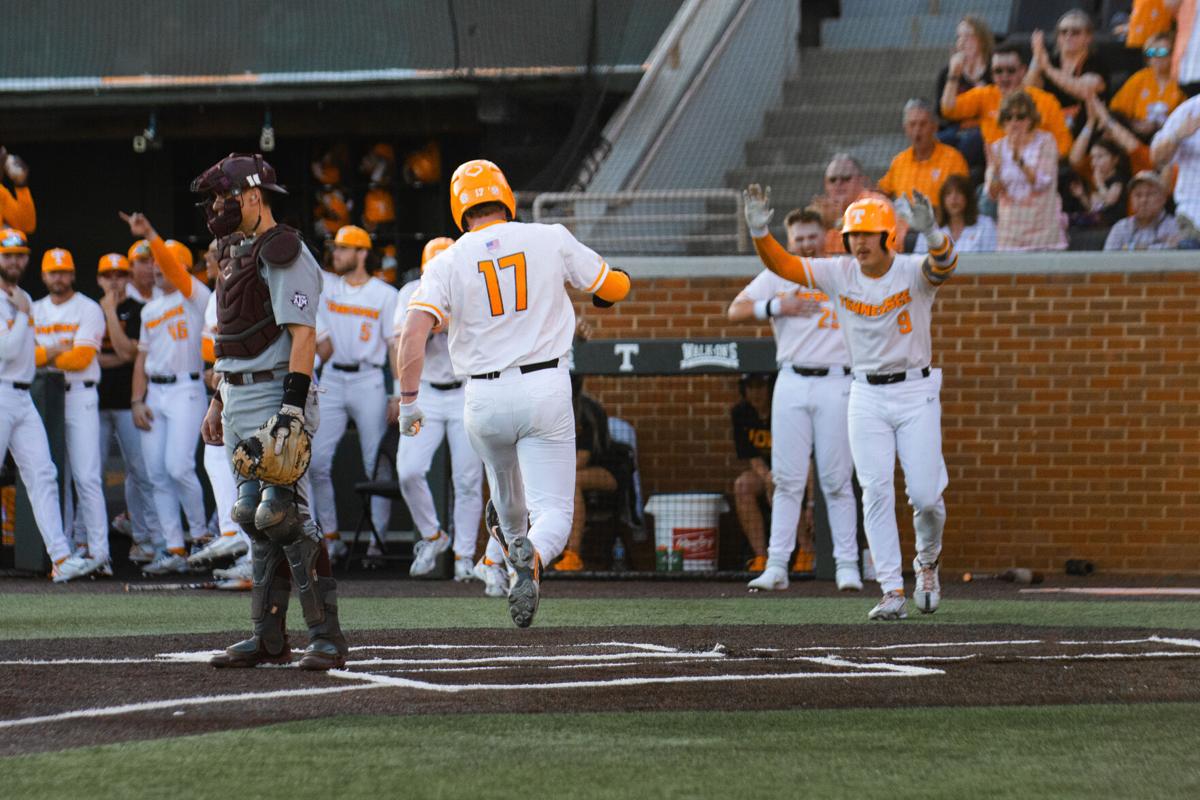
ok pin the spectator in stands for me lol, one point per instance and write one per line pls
(1103, 123)
(925, 165)
(1148, 19)
(1150, 226)
(845, 182)
(752, 442)
(1021, 177)
(1178, 144)
(1150, 94)
(972, 62)
(1074, 70)
(982, 104)
(16, 208)
(1098, 193)
(959, 218)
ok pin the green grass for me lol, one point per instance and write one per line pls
(1017, 752)
(33, 616)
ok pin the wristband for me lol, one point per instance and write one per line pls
(295, 389)
(764, 310)
(409, 394)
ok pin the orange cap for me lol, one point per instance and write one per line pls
(58, 260)
(476, 182)
(182, 253)
(871, 215)
(112, 262)
(352, 236)
(433, 247)
(139, 249)
(13, 241)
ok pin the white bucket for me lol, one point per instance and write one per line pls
(688, 522)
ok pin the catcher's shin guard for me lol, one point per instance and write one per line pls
(318, 599)
(268, 611)
(278, 515)
(249, 493)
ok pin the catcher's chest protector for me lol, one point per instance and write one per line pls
(245, 322)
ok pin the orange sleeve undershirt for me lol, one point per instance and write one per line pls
(75, 359)
(39, 356)
(172, 270)
(781, 262)
(614, 288)
(208, 350)
(18, 212)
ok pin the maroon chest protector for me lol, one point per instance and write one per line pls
(245, 322)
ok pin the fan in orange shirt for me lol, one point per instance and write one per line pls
(1150, 94)
(925, 166)
(1148, 19)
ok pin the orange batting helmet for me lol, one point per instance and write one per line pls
(477, 182)
(352, 236)
(112, 262)
(870, 215)
(13, 241)
(58, 260)
(433, 247)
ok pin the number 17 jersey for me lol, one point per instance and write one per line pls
(501, 289)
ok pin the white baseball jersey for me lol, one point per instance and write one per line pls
(500, 287)
(437, 368)
(885, 320)
(802, 341)
(172, 327)
(16, 342)
(79, 322)
(357, 319)
(131, 291)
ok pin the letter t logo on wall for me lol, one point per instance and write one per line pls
(626, 350)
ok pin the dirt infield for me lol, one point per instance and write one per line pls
(60, 694)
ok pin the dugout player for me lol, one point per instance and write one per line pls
(70, 329)
(355, 341)
(808, 408)
(751, 424)
(501, 290)
(267, 296)
(884, 303)
(123, 323)
(443, 404)
(21, 428)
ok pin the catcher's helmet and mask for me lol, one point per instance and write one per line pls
(228, 178)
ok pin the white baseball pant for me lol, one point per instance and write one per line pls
(139, 491)
(169, 448)
(443, 411)
(902, 419)
(523, 428)
(344, 396)
(22, 432)
(224, 488)
(81, 408)
(808, 411)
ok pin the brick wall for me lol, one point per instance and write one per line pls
(1071, 413)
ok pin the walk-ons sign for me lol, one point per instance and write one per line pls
(673, 356)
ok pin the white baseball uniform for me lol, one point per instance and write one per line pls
(886, 323)
(357, 322)
(501, 288)
(21, 429)
(809, 409)
(172, 327)
(216, 460)
(443, 401)
(79, 322)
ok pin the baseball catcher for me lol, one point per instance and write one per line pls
(265, 410)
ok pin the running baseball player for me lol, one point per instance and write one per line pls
(69, 331)
(123, 324)
(168, 395)
(808, 408)
(354, 342)
(21, 428)
(443, 404)
(884, 303)
(501, 289)
(266, 410)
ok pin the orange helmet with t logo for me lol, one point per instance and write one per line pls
(870, 215)
(477, 182)
(433, 247)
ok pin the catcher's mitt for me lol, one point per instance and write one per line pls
(278, 453)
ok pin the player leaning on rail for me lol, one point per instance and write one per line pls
(884, 302)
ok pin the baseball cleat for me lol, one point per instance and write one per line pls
(890, 607)
(426, 552)
(242, 569)
(121, 524)
(222, 547)
(569, 561)
(929, 587)
(322, 655)
(249, 653)
(494, 577)
(847, 577)
(772, 579)
(70, 568)
(141, 554)
(524, 589)
(103, 570)
(803, 561)
(491, 521)
(464, 570)
(756, 564)
(165, 564)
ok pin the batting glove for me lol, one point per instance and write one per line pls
(283, 427)
(757, 203)
(410, 419)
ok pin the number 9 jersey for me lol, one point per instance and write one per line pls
(500, 289)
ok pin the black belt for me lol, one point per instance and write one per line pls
(445, 387)
(346, 367)
(816, 372)
(21, 387)
(525, 370)
(893, 377)
(172, 378)
(84, 384)
(247, 378)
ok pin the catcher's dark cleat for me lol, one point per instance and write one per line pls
(524, 593)
(322, 655)
(249, 653)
